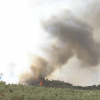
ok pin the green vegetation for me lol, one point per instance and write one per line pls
(51, 90)
(60, 84)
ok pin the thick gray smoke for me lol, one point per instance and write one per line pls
(78, 35)
(74, 37)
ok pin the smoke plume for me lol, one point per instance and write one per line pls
(73, 38)
(78, 35)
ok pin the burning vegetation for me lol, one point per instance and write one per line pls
(40, 84)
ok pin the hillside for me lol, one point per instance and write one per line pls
(62, 84)
(50, 90)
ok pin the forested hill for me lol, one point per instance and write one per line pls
(62, 84)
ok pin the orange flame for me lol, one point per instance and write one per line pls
(40, 83)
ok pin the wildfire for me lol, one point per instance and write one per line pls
(40, 83)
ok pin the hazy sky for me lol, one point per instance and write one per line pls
(19, 33)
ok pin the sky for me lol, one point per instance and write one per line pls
(30, 28)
